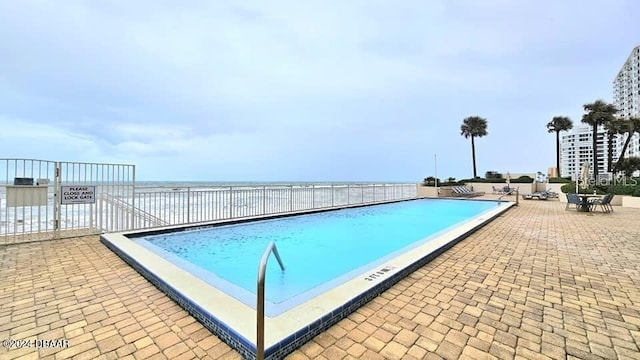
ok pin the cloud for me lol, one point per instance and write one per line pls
(268, 88)
(24, 139)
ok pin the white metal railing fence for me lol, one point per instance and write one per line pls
(191, 205)
(42, 199)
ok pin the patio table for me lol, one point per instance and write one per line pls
(584, 201)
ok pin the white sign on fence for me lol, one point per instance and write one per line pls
(78, 195)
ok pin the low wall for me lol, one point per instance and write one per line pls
(523, 188)
(618, 200)
(426, 191)
(555, 187)
(630, 201)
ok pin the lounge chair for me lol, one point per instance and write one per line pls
(605, 203)
(537, 195)
(572, 199)
(550, 193)
(471, 192)
(497, 190)
(456, 191)
(509, 190)
(465, 191)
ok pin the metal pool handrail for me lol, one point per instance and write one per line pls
(503, 195)
(260, 306)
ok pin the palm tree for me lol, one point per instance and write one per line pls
(557, 124)
(628, 165)
(473, 126)
(631, 126)
(597, 114)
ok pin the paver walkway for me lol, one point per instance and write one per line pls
(538, 282)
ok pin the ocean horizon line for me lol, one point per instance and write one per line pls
(204, 183)
(278, 181)
(196, 183)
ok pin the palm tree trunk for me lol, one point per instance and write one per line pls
(624, 148)
(609, 151)
(473, 155)
(595, 152)
(558, 152)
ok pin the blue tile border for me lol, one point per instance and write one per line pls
(238, 342)
(292, 342)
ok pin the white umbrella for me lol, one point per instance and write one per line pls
(584, 175)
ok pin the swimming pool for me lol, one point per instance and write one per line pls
(335, 262)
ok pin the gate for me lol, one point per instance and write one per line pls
(42, 200)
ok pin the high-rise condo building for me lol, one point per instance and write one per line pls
(626, 97)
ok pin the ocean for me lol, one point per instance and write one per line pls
(119, 206)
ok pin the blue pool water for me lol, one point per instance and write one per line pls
(318, 250)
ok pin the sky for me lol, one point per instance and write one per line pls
(358, 90)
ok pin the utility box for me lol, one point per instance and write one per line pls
(21, 195)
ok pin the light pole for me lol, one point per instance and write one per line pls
(435, 164)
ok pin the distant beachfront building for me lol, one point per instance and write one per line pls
(626, 93)
(576, 150)
(576, 145)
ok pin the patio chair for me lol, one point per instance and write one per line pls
(497, 190)
(509, 190)
(605, 203)
(550, 193)
(572, 199)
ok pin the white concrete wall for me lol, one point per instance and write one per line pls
(629, 201)
(553, 186)
(426, 191)
(487, 187)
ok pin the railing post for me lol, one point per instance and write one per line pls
(133, 197)
(264, 200)
(313, 196)
(188, 205)
(348, 194)
(56, 201)
(290, 198)
(332, 205)
(230, 202)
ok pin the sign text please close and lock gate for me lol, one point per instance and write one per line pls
(78, 195)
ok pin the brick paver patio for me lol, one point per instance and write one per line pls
(538, 282)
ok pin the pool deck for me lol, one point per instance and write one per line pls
(537, 282)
